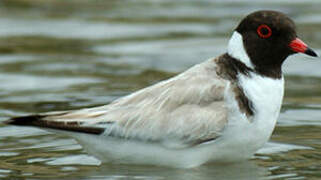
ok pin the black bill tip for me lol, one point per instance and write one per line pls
(310, 52)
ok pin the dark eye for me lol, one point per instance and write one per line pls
(264, 31)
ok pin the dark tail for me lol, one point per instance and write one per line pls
(32, 120)
(41, 121)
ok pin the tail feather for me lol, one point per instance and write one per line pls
(41, 121)
(24, 120)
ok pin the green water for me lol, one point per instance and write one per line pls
(57, 55)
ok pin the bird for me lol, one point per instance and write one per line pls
(221, 110)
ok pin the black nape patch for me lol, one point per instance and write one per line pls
(229, 68)
(39, 121)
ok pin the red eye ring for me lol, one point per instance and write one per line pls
(264, 27)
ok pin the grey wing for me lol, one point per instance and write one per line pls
(188, 109)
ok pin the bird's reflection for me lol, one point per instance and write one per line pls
(242, 170)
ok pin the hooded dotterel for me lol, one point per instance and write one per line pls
(223, 109)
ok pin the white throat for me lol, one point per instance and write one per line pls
(236, 49)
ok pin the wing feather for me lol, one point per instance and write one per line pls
(188, 108)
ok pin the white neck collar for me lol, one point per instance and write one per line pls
(236, 49)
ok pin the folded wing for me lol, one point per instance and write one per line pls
(187, 109)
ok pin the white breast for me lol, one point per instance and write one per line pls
(266, 94)
(248, 134)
